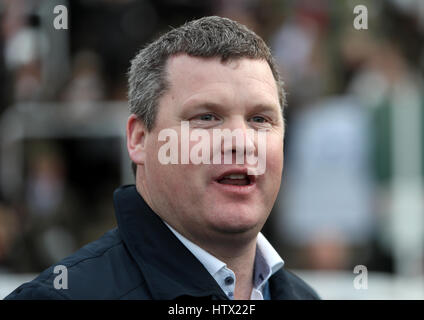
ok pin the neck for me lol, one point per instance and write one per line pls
(243, 268)
(240, 258)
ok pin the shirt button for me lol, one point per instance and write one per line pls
(229, 281)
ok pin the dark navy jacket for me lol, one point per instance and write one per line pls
(141, 259)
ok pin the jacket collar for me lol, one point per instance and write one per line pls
(169, 268)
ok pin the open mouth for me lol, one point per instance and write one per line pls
(236, 179)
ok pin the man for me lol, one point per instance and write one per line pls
(189, 228)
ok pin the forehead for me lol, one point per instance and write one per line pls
(187, 75)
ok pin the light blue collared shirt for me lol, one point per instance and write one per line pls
(267, 262)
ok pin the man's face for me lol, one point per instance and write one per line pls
(202, 201)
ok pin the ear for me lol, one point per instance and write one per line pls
(136, 136)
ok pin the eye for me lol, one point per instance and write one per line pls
(259, 119)
(205, 117)
(204, 120)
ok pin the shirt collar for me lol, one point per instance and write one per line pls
(267, 260)
(212, 264)
(269, 254)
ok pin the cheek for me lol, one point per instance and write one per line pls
(172, 178)
(158, 175)
(275, 156)
(200, 148)
(274, 170)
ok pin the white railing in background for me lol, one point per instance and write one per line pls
(329, 285)
(53, 121)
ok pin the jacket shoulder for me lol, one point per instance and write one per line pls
(287, 285)
(102, 269)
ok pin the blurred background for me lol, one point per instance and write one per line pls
(352, 191)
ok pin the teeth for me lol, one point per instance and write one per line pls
(235, 176)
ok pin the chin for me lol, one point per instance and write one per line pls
(237, 224)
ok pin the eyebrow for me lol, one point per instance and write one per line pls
(267, 107)
(205, 105)
(223, 108)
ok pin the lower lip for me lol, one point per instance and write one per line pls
(236, 189)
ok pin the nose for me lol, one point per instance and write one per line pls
(237, 140)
